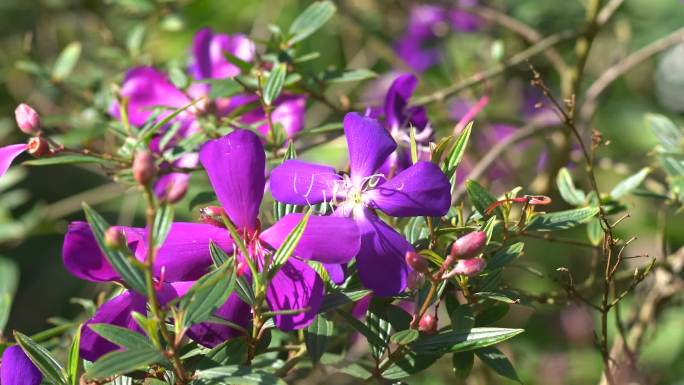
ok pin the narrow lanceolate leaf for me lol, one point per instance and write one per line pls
(339, 298)
(414, 146)
(594, 231)
(667, 132)
(50, 368)
(405, 337)
(66, 61)
(288, 246)
(349, 76)
(118, 259)
(231, 352)
(310, 20)
(460, 341)
(9, 278)
(480, 198)
(208, 294)
(456, 154)
(162, 223)
(373, 339)
(123, 361)
(504, 256)
(498, 361)
(123, 337)
(462, 363)
(244, 290)
(316, 337)
(630, 183)
(234, 375)
(409, 364)
(74, 358)
(217, 254)
(562, 220)
(567, 189)
(378, 324)
(148, 132)
(65, 159)
(274, 83)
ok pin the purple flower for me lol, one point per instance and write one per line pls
(17, 368)
(426, 25)
(235, 164)
(421, 189)
(8, 154)
(209, 50)
(399, 118)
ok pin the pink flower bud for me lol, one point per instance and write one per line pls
(469, 245)
(38, 147)
(176, 191)
(428, 324)
(114, 238)
(212, 215)
(28, 119)
(416, 261)
(144, 168)
(469, 267)
(415, 280)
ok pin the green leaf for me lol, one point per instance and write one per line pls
(379, 325)
(123, 361)
(274, 83)
(244, 290)
(567, 188)
(162, 223)
(345, 76)
(373, 338)
(217, 254)
(562, 220)
(316, 337)
(338, 298)
(5, 308)
(504, 256)
(9, 278)
(208, 294)
(594, 231)
(231, 352)
(74, 357)
(456, 154)
(628, 184)
(480, 198)
(495, 359)
(491, 314)
(235, 375)
(66, 61)
(118, 259)
(460, 341)
(288, 246)
(44, 361)
(462, 363)
(223, 88)
(405, 337)
(64, 159)
(409, 364)
(414, 145)
(498, 296)
(310, 20)
(668, 134)
(462, 317)
(123, 337)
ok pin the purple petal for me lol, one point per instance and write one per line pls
(316, 242)
(369, 145)
(185, 252)
(146, 88)
(7, 155)
(116, 311)
(211, 334)
(397, 100)
(289, 112)
(420, 190)
(301, 183)
(336, 272)
(168, 182)
(380, 261)
(209, 50)
(295, 286)
(417, 57)
(235, 165)
(83, 258)
(17, 368)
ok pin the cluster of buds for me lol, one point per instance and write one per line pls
(465, 251)
(28, 121)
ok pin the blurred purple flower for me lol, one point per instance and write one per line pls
(8, 154)
(17, 368)
(421, 189)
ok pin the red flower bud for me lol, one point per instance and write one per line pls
(114, 238)
(469, 245)
(144, 168)
(416, 261)
(415, 280)
(428, 324)
(469, 267)
(212, 215)
(28, 119)
(38, 147)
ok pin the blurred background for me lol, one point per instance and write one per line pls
(108, 37)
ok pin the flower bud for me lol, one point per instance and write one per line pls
(416, 261)
(114, 238)
(144, 168)
(415, 280)
(176, 191)
(428, 324)
(469, 245)
(212, 215)
(28, 119)
(38, 147)
(469, 267)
